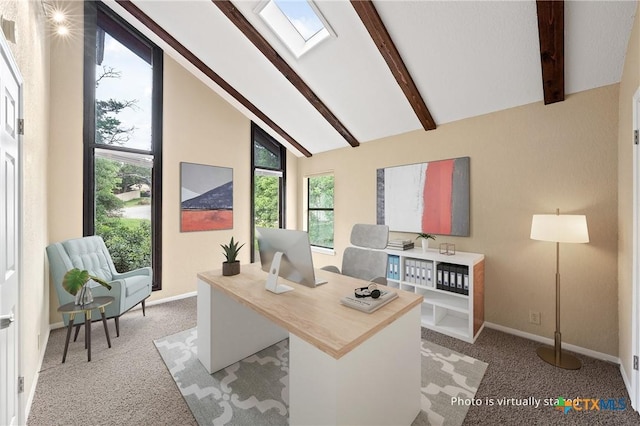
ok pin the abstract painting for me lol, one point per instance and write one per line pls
(428, 197)
(206, 197)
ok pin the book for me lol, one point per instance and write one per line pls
(369, 304)
(400, 244)
(394, 264)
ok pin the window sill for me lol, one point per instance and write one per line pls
(323, 250)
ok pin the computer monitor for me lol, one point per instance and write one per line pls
(286, 253)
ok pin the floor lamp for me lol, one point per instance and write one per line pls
(559, 229)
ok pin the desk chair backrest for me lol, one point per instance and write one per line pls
(365, 260)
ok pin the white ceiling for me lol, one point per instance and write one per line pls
(467, 58)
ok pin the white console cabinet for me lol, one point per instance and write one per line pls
(451, 312)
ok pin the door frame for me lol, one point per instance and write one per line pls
(6, 53)
(635, 275)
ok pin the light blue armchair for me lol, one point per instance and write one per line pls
(90, 253)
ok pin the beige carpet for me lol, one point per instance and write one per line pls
(124, 385)
(516, 373)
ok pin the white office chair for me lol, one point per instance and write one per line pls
(365, 260)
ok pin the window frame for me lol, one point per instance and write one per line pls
(125, 34)
(257, 131)
(314, 209)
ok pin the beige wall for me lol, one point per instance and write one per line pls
(629, 84)
(524, 160)
(31, 52)
(65, 168)
(291, 219)
(198, 127)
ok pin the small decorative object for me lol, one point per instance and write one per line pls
(425, 240)
(76, 283)
(231, 266)
(448, 249)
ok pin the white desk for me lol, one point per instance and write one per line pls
(345, 367)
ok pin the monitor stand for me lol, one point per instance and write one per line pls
(272, 279)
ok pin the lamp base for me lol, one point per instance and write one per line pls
(567, 361)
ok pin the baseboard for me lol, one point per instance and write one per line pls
(171, 299)
(549, 341)
(139, 306)
(32, 391)
(627, 384)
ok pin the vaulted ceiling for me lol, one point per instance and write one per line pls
(392, 66)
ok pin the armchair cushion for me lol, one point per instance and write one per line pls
(88, 253)
(135, 284)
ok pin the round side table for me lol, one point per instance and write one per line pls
(72, 309)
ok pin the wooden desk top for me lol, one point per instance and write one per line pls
(313, 314)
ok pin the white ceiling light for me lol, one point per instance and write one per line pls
(58, 16)
(62, 30)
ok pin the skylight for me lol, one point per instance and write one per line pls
(297, 23)
(301, 16)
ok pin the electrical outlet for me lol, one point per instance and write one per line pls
(534, 317)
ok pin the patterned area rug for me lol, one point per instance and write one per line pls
(255, 391)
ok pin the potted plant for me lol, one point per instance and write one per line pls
(75, 282)
(232, 265)
(425, 240)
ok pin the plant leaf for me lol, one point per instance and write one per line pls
(100, 281)
(426, 236)
(75, 278)
(231, 250)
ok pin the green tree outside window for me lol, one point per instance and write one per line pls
(320, 219)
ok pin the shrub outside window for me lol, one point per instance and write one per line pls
(320, 216)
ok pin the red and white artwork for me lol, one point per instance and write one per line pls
(428, 197)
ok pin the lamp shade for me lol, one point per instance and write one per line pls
(565, 228)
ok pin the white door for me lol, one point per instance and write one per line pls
(10, 87)
(635, 320)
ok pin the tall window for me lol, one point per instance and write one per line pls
(269, 162)
(122, 138)
(320, 210)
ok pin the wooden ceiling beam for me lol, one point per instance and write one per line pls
(281, 65)
(195, 61)
(551, 34)
(380, 36)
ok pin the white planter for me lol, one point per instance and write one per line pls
(425, 244)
